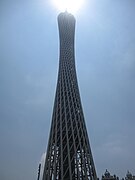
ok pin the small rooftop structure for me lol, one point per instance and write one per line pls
(107, 176)
(129, 176)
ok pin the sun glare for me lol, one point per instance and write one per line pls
(72, 6)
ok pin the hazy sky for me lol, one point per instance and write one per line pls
(105, 61)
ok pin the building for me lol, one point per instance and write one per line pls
(129, 176)
(68, 154)
(108, 176)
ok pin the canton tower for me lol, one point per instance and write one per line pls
(68, 155)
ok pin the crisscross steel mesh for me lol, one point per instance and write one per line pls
(68, 155)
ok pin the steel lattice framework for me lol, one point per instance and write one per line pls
(68, 155)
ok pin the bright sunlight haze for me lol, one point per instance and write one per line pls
(72, 6)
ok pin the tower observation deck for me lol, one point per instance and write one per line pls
(68, 154)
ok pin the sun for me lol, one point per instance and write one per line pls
(71, 6)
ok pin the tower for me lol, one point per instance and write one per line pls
(69, 154)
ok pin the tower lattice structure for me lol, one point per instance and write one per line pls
(68, 154)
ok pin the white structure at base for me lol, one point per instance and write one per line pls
(42, 162)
